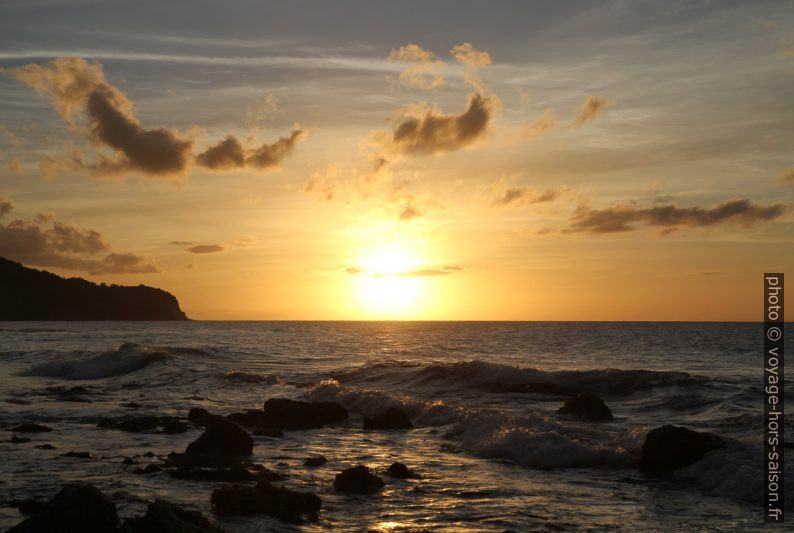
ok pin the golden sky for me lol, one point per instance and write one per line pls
(396, 160)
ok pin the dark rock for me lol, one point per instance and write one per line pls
(319, 460)
(29, 507)
(164, 517)
(222, 437)
(128, 461)
(392, 418)
(287, 505)
(203, 460)
(175, 426)
(76, 508)
(399, 470)
(552, 389)
(45, 446)
(199, 416)
(149, 469)
(19, 440)
(78, 455)
(31, 428)
(30, 294)
(284, 413)
(253, 418)
(586, 406)
(357, 480)
(670, 447)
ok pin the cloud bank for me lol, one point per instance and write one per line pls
(48, 242)
(670, 218)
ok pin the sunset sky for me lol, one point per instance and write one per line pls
(610, 160)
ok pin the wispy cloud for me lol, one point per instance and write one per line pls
(590, 109)
(424, 69)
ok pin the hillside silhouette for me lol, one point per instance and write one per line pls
(29, 294)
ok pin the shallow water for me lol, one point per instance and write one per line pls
(491, 460)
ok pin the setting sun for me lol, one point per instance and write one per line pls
(386, 285)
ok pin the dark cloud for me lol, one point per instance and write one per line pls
(670, 218)
(6, 206)
(230, 154)
(79, 87)
(409, 212)
(48, 242)
(436, 133)
(787, 177)
(590, 109)
(524, 195)
(205, 249)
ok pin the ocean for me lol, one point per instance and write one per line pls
(490, 459)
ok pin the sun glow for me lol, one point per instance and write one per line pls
(384, 283)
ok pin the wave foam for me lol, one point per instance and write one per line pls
(128, 358)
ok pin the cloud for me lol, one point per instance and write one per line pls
(787, 177)
(48, 242)
(471, 57)
(670, 218)
(590, 109)
(426, 272)
(79, 87)
(425, 69)
(436, 133)
(6, 206)
(524, 195)
(205, 249)
(540, 126)
(181, 243)
(230, 154)
(409, 212)
(354, 270)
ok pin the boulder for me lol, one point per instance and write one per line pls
(222, 437)
(669, 447)
(315, 461)
(287, 505)
(358, 480)
(199, 416)
(288, 414)
(399, 470)
(80, 508)
(164, 517)
(30, 428)
(587, 407)
(391, 418)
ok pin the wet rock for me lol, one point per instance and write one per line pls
(392, 418)
(31, 428)
(199, 416)
(75, 508)
(29, 507)
(552, 389)
(149, 469)
(318, 460)
(289, 414)
(222, 437)
(45, 446)
(19, 440)
(128, 461)
(285, 504)
(165, 517)
(234, 474)
(78, 455)
(669, 447)
(253, 418)
(399, 470)
(357, 480)
(586, 406)
(175, 426)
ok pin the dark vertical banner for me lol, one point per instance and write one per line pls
(773, 398)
